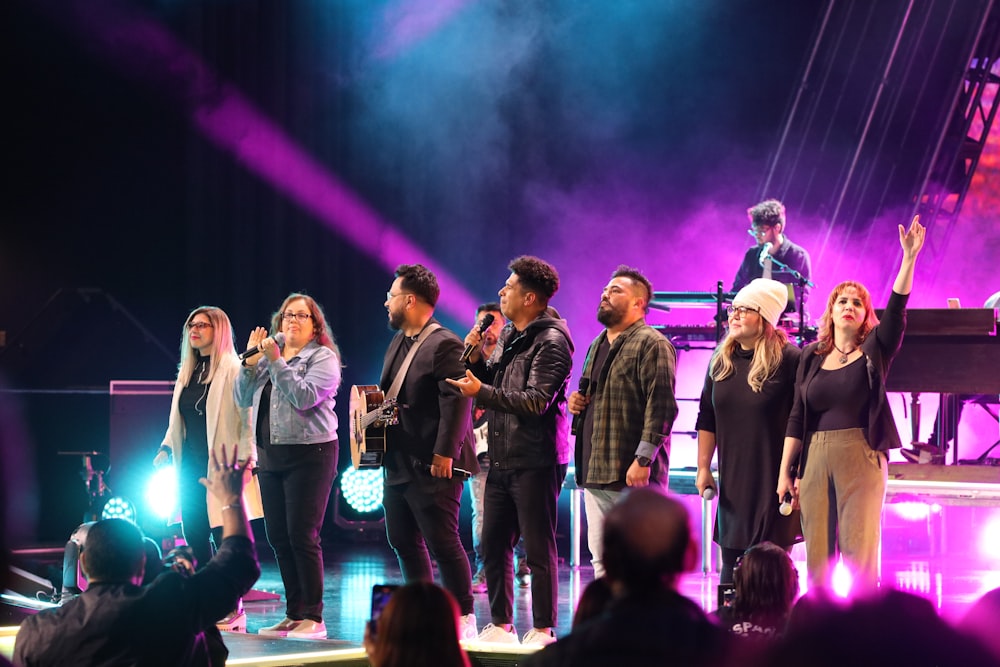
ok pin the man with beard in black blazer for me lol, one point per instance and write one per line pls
(431, 452)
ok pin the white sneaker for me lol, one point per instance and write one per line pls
(279, 629)
(467, 627)
(536, 637)
(308, 630)
(495, 634)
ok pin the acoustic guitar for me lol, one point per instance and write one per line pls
(370, 415)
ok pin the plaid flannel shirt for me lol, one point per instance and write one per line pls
(633, 402)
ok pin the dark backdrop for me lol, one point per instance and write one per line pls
(165, 154)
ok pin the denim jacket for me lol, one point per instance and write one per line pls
(302, 395)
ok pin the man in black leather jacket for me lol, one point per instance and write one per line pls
(523, 386)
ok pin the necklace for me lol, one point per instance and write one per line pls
(203, 373)
(843, 355)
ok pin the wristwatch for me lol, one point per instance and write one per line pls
(643, 461)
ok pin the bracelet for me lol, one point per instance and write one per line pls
(234, 506)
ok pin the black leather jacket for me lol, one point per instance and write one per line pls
(524, 392)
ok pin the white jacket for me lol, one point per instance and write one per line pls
(226, 424)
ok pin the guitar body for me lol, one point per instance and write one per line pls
(370, 415)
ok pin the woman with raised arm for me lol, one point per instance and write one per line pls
(841, 427)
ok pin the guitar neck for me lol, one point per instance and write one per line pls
(370, 418)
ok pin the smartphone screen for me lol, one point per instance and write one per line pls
(727, 593)
(380, 596)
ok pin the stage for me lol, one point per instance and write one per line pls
(931, 527)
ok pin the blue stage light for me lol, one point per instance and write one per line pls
(118, 507)
(161, 492)
(362, 489)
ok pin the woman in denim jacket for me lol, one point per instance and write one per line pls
(291, 386)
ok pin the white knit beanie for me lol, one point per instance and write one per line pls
(769, 296)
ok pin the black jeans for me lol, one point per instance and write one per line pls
(295, 483)
(194, 509)
(421, 522)
(522, 503)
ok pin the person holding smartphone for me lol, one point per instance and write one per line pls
(419, 625)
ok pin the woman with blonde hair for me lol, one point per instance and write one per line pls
(743, 413)
(204, 417)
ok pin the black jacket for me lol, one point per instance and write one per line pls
(524, 391)
(434, 417)
(879, 348)
(658, 629)
(164, 623)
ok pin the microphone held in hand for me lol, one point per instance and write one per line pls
(456, 473)
(279, 338)
(709, 493)
(785, 508)
(578, 419)
(764, 252)
(484, 324)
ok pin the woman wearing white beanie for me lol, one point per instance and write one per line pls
(743, 413)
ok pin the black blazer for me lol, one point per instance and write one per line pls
(434, 417)
(880, 347)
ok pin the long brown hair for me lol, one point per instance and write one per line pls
(767, 583)
(419, 627)
(825, 337)
(321, 329)
(766, 356)
(222, 343)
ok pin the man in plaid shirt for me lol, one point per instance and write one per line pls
(626, 406)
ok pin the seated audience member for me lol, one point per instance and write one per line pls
(593, 601)
(117, 621)
(767, 584)
(983, 620)
(647, 548)
(419, 626)
(887, 628)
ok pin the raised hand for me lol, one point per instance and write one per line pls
(912, 239)
(225, 476)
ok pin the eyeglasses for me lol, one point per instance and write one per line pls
(763, 229)
(301, 317)
(198, 326)
(389, 296)
(733, 311)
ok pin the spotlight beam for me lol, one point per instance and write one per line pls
(144, 50)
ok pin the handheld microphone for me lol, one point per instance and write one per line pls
(279, 338)
(456, 473)
(785, 508)
(709, 493)
(578, 419)
(484, 324)
(764, 252)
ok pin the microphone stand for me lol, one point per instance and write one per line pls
(803, 282)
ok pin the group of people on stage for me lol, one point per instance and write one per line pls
(811, 426)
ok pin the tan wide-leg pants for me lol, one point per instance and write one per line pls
(841, 496)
